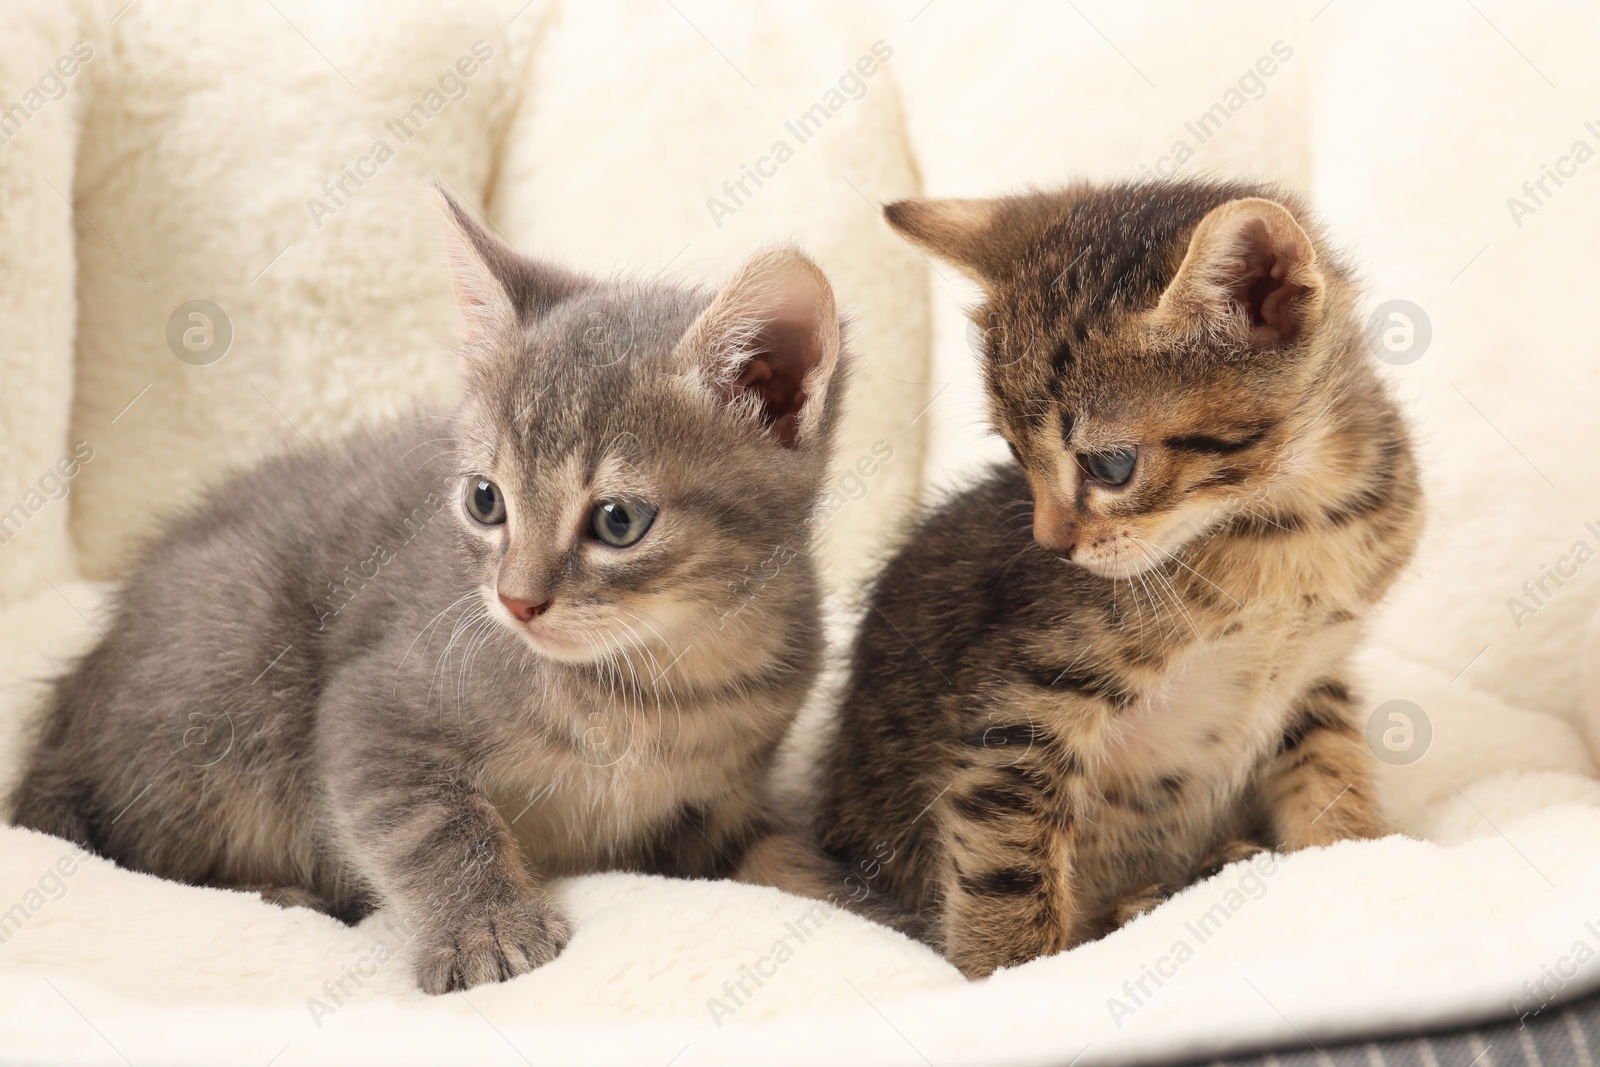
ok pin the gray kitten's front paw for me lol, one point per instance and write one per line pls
(489, 946)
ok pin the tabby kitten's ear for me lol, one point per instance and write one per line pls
(768, 344)
(1250, 276)
(496, 287)
(981, 237)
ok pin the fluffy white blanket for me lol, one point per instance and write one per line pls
(191, 156)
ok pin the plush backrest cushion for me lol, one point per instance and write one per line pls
(52, 58)
(232, 156)
(1505, 395)
(214, 168)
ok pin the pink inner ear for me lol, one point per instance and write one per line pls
(775, 375)
(1262, 287)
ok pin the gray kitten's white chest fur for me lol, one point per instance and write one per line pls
(594, 794)
(559, 810)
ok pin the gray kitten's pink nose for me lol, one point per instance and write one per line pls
(524, 610)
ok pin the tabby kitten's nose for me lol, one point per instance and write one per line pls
(524, 610)
(1054, 534)
(1064, 547)
(1057, 540)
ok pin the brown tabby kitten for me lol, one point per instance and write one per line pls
(1110, 669)
(431, 670)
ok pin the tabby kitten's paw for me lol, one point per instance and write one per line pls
(1134, 905)
(291, 896)
(1229, 852)
(976, 961)
(979, 946)
(490, 946)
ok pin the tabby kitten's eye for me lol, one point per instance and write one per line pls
(484, 502)
(621, 525)
(1112, 468)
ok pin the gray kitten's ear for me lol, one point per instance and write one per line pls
(981, 237)
(769, 343)
(1250, 275)
(496, 287)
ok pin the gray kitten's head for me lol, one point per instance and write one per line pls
(639, 461)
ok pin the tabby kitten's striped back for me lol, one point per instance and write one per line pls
(1121, 662)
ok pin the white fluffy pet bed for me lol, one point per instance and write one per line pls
(189, 156)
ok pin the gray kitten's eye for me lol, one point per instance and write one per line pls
(1112, 468)
(484, 502)
(621, 525)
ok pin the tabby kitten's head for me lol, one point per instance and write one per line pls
(638, 461)
(1154, 352)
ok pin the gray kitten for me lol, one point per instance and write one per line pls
(563, 629)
